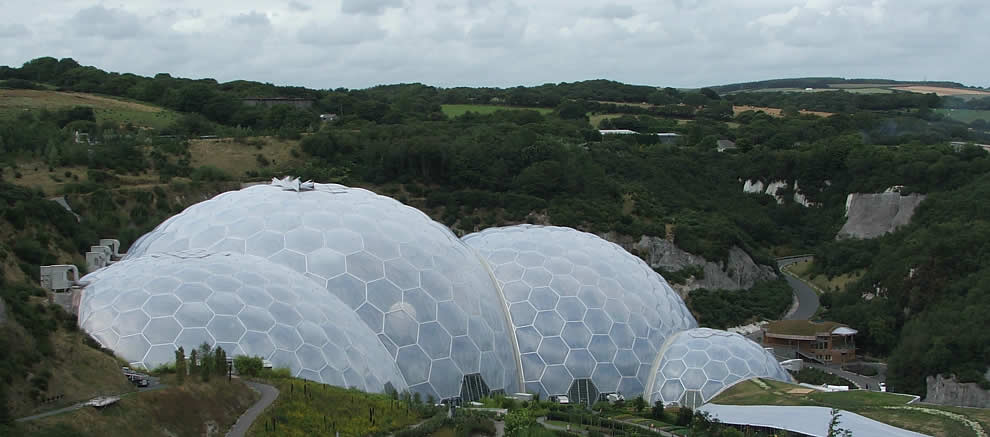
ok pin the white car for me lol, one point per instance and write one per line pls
(563, 400)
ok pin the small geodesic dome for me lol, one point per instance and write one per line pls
(698, 364)
(145, 308)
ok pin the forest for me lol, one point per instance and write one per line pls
(924, 290)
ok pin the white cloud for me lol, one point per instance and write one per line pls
(357, 43)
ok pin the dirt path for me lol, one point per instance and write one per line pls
(268, 395)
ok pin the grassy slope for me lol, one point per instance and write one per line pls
(303, 405)
(179, 411)
(965, 115)
(869, 404)
(79, 372)
(456, 110)
(13, 102)
(838, 283)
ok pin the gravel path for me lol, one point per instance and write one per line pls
(268, 395)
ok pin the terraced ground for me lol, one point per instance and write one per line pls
(14, 102)
(966, 115)
(890, 408)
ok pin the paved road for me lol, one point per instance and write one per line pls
(864, 382)
(807, 298)
(268, 395)
(574, 429)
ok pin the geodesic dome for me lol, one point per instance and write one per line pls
(582, 308)
(426, 295)
(145, 308)
(697, 365)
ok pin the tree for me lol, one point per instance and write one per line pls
(639, 404)
(193, 362)
(518, 423)
(834, 430)
(417, 399)
(684, 416)
(220, 361)
(206, 367)
(657, 410)
(180, 366)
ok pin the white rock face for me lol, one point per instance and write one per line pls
(740, 271)
(774, 187)
(753, 187)
(870, 215)
(801, 199)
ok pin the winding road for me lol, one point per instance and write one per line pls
(806, 296)
(268, 395)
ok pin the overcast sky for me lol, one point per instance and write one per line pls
(360, 43)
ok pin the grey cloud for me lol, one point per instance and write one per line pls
(107, 23)
(368, 7)
(613, 10)
(340, 32)
(14, 30)
(299, 6)
(253, 19)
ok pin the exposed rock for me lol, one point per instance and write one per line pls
(738, 272)
(774, 187)
(947, 391)
(870, 215)
(753, 187)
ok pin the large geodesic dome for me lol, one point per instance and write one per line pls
(427, 296)
(698, 364)
(144, 308)
(583, 309)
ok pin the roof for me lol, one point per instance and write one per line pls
(726, 144)
(805, 328)
(811, 421)
(616, 131)
(667, 134)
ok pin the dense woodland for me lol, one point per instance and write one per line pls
(926, 283)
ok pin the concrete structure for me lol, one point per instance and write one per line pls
(272, 101)
(827, 342)
(724, 145)
(617, 132)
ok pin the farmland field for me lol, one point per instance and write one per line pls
(965, 115)
(458, 110)
(943, 91)
(13, 102)
(776, 112)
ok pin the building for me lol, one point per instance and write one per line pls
(668, 137)
(826, 342)
(298, 102)
(724, 145)
(617, 132)
(328, 117)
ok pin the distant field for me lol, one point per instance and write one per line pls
(868, 90)
(851, 86)
(596, 119)
(13, 102)
(965, 115)
(942, 91)
(776, 112)
(457, 110)
(782, 90)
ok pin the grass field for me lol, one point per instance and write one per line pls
(14, 102)
(838, 283)
(235, 158)
(965, 115)
(458, 110)
(890, 408)
(596, 119)
(306, 408)
(776, 112)
(189, 409)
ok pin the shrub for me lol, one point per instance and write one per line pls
(208, 173)
(248, 366)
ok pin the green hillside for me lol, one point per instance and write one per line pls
(551, 166)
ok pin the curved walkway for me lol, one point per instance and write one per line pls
(806, 296)
(268, 395)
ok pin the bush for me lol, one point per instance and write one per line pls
(248, 366)
(809, 375)
(208, 173)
